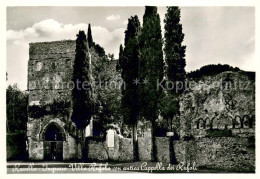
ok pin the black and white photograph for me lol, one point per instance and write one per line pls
(130, 89)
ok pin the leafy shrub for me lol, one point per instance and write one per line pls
(219, 133)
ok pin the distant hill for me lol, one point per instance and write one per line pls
(211, 70)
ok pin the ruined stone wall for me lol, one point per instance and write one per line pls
(144, 148)
(122, 150)
(50, 69)
(223, 102)
(163, 149)
(218, 123)
(49, 73)
(224, 153)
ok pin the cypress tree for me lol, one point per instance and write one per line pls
(82, 108)
(90, 39)
(118, 65)
(175, 60)
(129, 65)
(150, 70)
(173, 48)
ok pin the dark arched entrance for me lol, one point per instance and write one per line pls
(53, 143)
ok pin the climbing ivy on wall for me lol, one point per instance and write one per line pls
(57, 108)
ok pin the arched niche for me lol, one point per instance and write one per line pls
(237, 122)
(252, 122)
(53, 137)
(229, 122)
(246, 121)
(215, 123)
(208, 123)
(200, 124)
(51, 131)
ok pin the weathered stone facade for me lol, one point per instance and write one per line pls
(224, 153)
(217, 122)
(122, 151)
(225, 101)
(49, 76)
(50, 69)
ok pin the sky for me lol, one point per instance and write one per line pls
(213, 35)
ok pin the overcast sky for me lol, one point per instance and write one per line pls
(212, 34)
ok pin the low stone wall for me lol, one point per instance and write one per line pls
(144, 148)
(163, 151)
(123, 149)
(70, 149)
(225, 153)
(98, 150)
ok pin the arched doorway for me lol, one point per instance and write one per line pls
(53, 143)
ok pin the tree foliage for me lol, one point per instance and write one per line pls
(118, 67)
(106, 98)
(151, 63)
(173, 48)
(175, 65)
(129, 59)
(129, 65)
(16, 109)
(57, 108)
(150, 69)
(89, 34)
(82, 106)
(169, 107)
(210, 70)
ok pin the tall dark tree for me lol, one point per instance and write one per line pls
(90, 39)
(175, 70)
(118, 67)
(129, 65)
(82, 106)
(173, 48)
(150, 69)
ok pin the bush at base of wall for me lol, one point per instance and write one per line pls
(219, 133)
(16, 146)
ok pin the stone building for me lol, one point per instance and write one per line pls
(51, 133)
